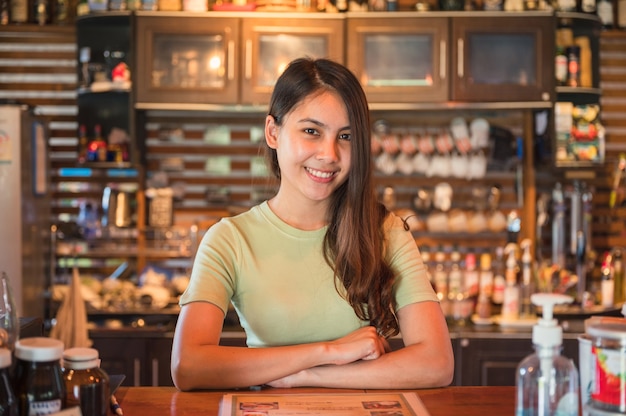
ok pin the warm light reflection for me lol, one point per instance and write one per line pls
(214, 63)
(281, 67)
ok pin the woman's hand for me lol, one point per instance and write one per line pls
(362, 344)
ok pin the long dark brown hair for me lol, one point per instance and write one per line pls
(354, 242)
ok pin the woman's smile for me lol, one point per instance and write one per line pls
(320, 175)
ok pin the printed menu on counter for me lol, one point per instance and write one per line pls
(336, 404)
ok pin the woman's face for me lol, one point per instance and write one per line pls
(313, 146)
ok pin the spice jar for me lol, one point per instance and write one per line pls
(8, 402)
(39, 385)
(86, 384)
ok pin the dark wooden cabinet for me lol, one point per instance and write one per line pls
(187, 59)
(508, 58)
(399, 58)
(493, 360)
(144, 360)
(442, 57)
(269, 43)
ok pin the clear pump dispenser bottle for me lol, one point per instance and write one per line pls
(546, 381)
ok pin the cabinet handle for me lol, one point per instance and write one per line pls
(442, 59)
(459, 68)
(155, 372)
(137, 375)
(248, 74)
(231, 60)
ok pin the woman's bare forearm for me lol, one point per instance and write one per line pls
(213, 366)
(406, 368)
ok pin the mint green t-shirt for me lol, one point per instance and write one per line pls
(280, 285)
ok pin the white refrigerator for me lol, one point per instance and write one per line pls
(25, 211)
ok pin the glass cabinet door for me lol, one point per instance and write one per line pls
(271, 43)
(187, 60)
(506, 59)
(400, 59)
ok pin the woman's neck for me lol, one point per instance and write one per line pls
(307, 217)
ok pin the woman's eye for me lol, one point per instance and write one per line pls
(310, 131)
(345, 136)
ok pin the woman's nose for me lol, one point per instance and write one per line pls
(327, 150)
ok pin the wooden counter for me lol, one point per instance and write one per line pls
(466, 401)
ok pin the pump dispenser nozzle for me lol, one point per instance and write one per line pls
(547, 332)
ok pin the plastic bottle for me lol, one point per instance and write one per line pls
(471, 275)
(86, 384)
(9, 323)
(607, 284)
(8, 402)
(499, 282)
(527, 286)
(483, 304)
(546, 381)
(617, 269)
(510, 305)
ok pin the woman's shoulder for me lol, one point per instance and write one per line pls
(394, 222)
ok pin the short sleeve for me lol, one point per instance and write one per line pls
(412, 283)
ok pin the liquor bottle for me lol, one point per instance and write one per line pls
(19, 11)
(100, 144)
(605, 13)
(471, 275)
(5, 12)
(486, 276)
(499, 282)
(617, 268)
(62, 12)
(607, 284)
(573, 65)
(510, 304)
(42, 13)
(455, 276)
(83, 143)
(560, 66)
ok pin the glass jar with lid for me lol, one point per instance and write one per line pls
(86, 384)
(39, 385)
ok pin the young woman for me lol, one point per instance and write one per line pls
(321, 274)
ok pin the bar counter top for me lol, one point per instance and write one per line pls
(447, 401)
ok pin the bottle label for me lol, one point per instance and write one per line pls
(560, 66)
(510, 306)
(606, 378)
(44, 407)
